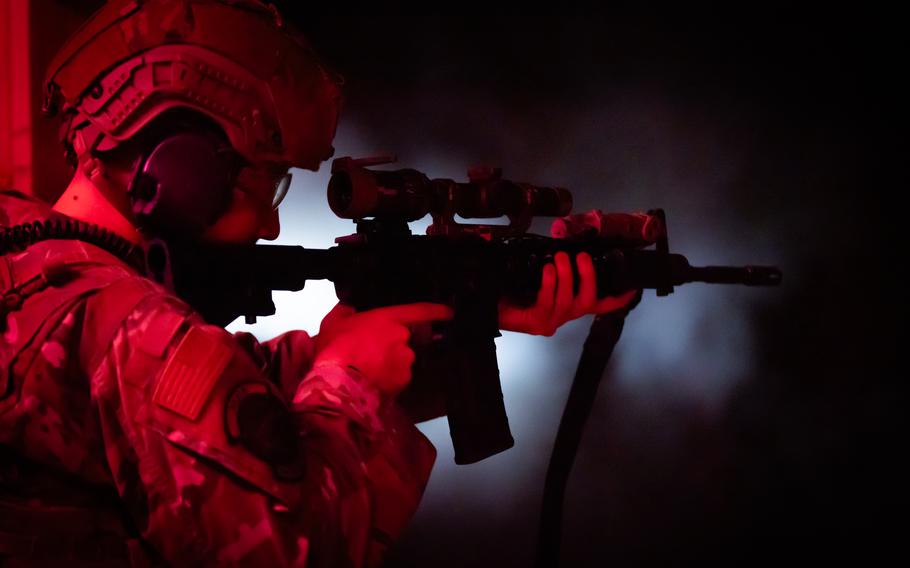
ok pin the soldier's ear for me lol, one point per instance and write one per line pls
(182, 185)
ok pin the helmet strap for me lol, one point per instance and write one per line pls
(92, 167)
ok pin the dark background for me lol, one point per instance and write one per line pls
(765, 127)
(767, 133)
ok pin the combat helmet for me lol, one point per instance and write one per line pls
(234, 61)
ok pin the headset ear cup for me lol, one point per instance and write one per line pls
(182, 186)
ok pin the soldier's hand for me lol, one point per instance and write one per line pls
(375, 341)
(556, 301)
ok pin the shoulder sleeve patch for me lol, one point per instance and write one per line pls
(192, 370)
(160, 330)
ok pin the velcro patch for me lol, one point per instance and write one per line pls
(161, 329)
(192, 370)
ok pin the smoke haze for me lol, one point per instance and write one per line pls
(728, 415)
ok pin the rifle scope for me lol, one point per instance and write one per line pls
(356, 192)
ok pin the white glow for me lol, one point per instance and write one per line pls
(692, 346)
(307, 220)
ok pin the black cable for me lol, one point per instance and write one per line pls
(20, 237)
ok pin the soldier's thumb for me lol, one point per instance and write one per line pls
(334, 317)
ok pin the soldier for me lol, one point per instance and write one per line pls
(132, 431)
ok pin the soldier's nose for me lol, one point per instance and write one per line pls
(269, 226)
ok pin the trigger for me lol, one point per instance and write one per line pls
(425, 333)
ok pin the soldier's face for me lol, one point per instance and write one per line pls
(244, 222)
(252, 213)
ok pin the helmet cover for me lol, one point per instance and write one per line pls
(234, 61)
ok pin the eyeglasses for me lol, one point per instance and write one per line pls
(266, 185)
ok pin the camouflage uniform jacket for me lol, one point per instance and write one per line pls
(132, 431)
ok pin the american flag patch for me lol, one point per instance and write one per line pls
(192, 370)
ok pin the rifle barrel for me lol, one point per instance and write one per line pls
(748, 275)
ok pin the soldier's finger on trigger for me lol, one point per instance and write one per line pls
(399, 369)
(399, 334)
(406, 359)
(408, 356)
